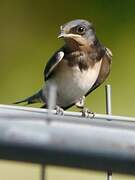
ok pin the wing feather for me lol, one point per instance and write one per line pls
(52, 64)
(104, 71)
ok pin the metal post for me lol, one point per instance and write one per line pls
(51, 100)
(108, 99)
(52, 97)
(43, 172)
(109, 112)
(109, 175)
(51, 106)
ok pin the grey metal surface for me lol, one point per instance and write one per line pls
(34, 113)
(58, 140)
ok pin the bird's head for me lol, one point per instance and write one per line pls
(78, 32)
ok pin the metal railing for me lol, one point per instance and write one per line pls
(104, 142)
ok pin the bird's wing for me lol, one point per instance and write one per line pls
(104, 71)
(52, 64)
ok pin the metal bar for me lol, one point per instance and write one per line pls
(108, 111)
(40, 113)
(101, 145)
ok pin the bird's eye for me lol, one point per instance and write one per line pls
(81, 30)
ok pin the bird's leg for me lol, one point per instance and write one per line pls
(80, 103)
(85, 111)
(59, 110)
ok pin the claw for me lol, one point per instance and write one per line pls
(86, 113)
(59, 110)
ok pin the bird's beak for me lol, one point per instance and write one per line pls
(61, 35)
(64, 35)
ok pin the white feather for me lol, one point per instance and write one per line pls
(72, 83)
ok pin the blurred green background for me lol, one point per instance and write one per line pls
(28, 37)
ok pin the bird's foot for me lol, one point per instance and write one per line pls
(87, 113)
(59, 110)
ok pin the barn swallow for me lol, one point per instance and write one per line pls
(77, 68)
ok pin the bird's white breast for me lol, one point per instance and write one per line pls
(72, 83)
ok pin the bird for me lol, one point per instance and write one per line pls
(81, 65)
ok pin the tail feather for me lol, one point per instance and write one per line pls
(32, 99)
